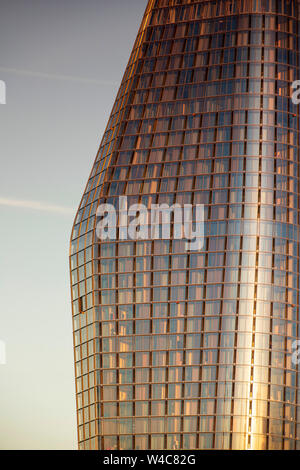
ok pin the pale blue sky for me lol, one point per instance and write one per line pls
(62, 61)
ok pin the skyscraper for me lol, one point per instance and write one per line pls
(193, 350)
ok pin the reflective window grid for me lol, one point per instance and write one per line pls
(193, 350)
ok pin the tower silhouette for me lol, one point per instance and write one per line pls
(193, 350)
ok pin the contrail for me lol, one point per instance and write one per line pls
(32, 73)
(36, 205)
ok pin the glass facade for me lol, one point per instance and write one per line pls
(193, 350)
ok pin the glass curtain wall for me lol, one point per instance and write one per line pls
(193, 350)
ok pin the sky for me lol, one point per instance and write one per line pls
(62, 62)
